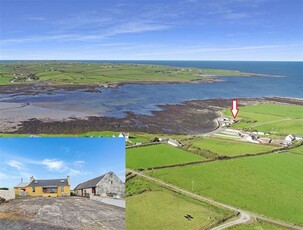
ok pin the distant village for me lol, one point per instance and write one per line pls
(255, 136)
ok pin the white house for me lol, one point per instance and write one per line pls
(174, 143)
(125, 135)
(253, 139)
(290, 138)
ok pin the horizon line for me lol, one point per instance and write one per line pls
(1, 60)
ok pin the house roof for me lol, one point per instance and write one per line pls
(174, 141)
(21, 185)
(48, 183)
(91, 183)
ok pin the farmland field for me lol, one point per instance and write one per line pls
(229, 147)
(158, 155)
(298, 150)
(258, 226)
(94, 73)
(159, 208)
(275, 118)
(270, 184)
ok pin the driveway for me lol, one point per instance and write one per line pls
(38, 213)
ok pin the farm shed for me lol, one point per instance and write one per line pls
(174, 143)
(108, 184)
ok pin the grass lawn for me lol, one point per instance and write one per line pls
(158, 155)
(258, 226)
(229, 147)
(159, 208)
(270, 184)
(275, 118)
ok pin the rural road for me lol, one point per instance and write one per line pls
(244, 216)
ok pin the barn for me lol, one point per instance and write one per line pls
(108, 185)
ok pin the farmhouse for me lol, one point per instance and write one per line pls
(45, 188)
(290, 138)
(252, 138)
(108, 184)
(174, 143)
(125, 135)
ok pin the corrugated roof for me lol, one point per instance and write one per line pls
(91, 183)
(21, 185)
(49, 183)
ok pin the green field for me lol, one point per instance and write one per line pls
(158, 208)
(55, 72)
(229, 147)
(270, 184)
(258, 226)
(273, 118)
(158, 155)
(298, 150)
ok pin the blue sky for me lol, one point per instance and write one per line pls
(45, 158)
(152, 30)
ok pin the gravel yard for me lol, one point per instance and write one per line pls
(60, 213)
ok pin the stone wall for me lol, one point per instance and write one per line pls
(112, 184)
(115, 202)
(7, 194)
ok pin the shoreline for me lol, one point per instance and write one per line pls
(189, 117)
(30, 87)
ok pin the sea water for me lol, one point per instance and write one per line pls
(143, 99)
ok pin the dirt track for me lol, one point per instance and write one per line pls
(60, 213)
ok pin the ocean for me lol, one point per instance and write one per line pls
(143, 99)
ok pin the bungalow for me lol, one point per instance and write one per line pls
(45, 188)
(108, 184)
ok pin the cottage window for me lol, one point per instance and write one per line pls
(33, 189)
(62, 189)
(111, 182)
(49, 190)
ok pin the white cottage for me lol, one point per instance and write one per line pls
(174, 142)
(290, 138)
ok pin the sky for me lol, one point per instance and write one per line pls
(151, 30)
(56, 158)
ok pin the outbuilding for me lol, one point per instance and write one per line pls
(108, 184)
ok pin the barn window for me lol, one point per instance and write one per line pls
(111, 182)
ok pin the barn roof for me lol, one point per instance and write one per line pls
(91, 183)
(48, 183)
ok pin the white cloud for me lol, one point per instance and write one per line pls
(34, 18)
(15, 164)
(78, 163)
(53, 165)
(75, 172)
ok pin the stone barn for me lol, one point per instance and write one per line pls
(108, 184)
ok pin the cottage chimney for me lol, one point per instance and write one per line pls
(68, 180)
(31, 179)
